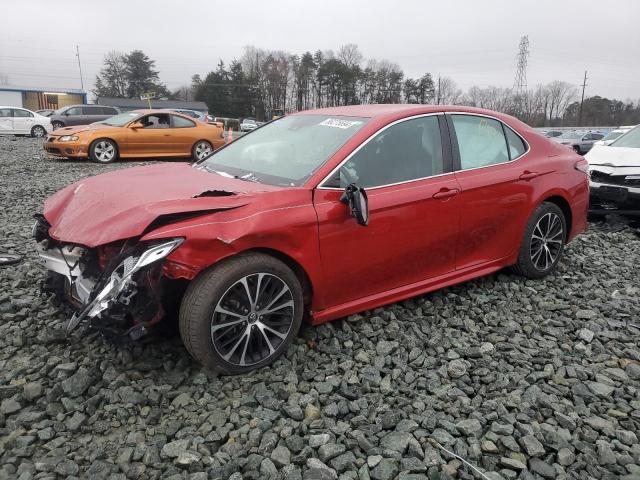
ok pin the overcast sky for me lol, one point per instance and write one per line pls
(475, 42)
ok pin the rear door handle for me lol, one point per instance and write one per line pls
(527, 175)
(446, 193)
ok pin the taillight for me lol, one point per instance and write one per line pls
(582, 165)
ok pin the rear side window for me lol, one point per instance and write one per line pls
(517, 146)
(179, 122)
(481, 141)
(109, 111)
(22, 113)
(6, 112)
(92, 110)
(407, 151)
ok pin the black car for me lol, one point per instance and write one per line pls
(72, 115)
(614, 172)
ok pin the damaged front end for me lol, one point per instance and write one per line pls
(116, 289)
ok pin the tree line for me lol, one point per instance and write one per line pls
(262, 83)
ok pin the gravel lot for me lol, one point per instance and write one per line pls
(525, 379)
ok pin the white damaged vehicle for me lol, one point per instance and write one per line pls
(614, 173)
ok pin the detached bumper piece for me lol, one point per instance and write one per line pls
(121, 300)
(618, 194)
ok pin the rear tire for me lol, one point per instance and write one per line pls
(543, 242)
(241, 314)
(38, 131)
(103, 150)
(201, 149)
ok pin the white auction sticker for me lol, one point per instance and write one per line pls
(337, 123)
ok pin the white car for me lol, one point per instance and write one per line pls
(248, 124)
(20, 121)
(614, 175)
(612, 135)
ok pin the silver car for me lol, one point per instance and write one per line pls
(581, 142)
(72, 115)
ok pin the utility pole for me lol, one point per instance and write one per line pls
(79, 67)
(439, 85)
(584, 85)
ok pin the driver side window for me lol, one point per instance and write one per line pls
(409, 150)
(156, 121)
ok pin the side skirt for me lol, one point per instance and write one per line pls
(406, 291)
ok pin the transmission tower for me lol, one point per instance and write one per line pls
(520, 82)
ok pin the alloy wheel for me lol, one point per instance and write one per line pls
(104, 151)
(38, 131)
(203, 149)
(252, 319)
(546, 241)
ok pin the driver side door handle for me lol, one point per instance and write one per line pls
(527, 175)
(446, 193)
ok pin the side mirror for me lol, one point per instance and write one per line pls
(135, 125)
(356, 198)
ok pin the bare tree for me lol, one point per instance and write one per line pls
(350, 55)
(560, 95)
(4, 79)
(447, 92)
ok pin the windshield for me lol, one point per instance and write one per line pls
(631, 139)
(612, 135)
(286, 151)
(120, 120)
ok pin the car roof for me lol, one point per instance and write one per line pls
(390, 112)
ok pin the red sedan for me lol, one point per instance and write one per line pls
(312, 217)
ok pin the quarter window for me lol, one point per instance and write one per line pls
(481, 141)
(179, 122)
(409, 150)
(517, 146)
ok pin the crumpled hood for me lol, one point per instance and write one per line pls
(613, 156)
(121, 204)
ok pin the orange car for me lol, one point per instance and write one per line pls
(139, 133)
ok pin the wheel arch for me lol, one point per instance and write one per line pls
(293, 264)
(563, 204)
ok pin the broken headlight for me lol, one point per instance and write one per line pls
(119, 286)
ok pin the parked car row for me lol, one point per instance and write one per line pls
(138, 133)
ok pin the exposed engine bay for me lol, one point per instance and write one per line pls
(117, 289)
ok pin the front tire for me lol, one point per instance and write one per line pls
(57, 125)
(241, 314)
(201, 150)
(38, 131)
(103, 150)
(543, 242)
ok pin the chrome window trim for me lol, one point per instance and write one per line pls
(505, 139)
(366, 141)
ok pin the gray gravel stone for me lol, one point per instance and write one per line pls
(477, 367)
